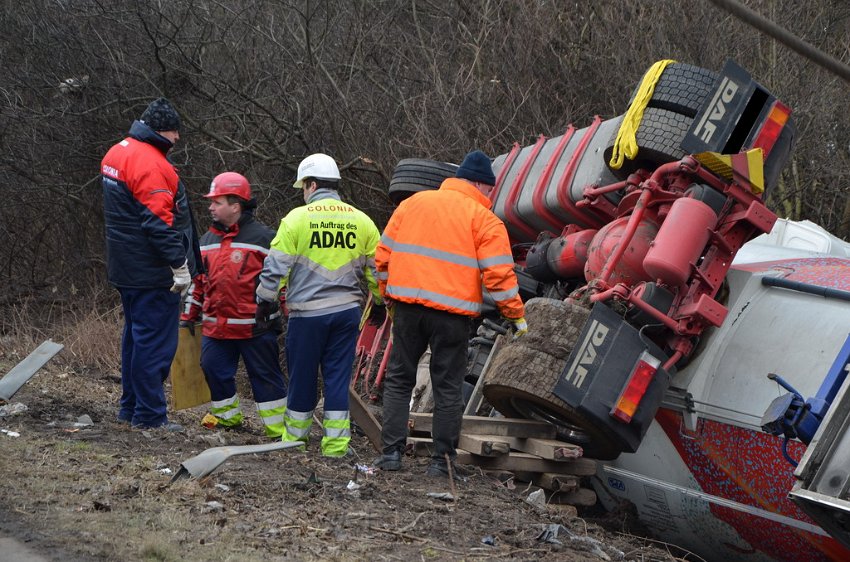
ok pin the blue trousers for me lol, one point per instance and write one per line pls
(220, 358)
(147, 350)
(328, 341)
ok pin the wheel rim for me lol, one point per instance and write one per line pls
(566, 429)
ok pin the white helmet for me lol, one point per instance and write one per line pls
(318, 166)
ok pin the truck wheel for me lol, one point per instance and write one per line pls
(659, 140)
(682, 89)
(413, 175)
(521, 377)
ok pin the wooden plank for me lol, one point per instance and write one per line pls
(545, 448)
(486, 446)
(580, 497)
(529, 463)
(481, 425)
(23, 371)
(188, 384)
(556, 482)
(364, 419)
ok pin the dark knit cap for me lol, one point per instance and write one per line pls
(161, 116)
(476, 167)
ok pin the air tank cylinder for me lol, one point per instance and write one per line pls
(680, 241)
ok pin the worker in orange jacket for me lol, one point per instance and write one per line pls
(438, 249)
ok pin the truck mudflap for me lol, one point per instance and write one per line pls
(822, 489)
(613, 379)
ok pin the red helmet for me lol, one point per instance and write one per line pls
(230, 183)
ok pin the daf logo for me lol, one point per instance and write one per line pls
(707, 126)
(587, 354)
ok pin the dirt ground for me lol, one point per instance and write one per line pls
(103, 492)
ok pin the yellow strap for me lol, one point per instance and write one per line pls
(626, 144)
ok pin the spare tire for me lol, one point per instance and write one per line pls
(413, 175)
(659, 140)
(682, 88)
(521, 377)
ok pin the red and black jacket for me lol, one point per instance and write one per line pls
(223, 298)
(149, 227)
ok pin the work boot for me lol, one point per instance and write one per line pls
(440, 469)
(388, 461)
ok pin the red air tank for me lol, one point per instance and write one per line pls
(629, 269)
(680, 241)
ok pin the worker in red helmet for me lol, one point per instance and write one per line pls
(233, 251)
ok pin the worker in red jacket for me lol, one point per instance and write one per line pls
(233, 252)
(438, 250)
(151, 255)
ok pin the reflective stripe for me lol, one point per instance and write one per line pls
(387, 241)
(496, 260)
(323, 303)
(436, 298)
(271, 404)
(272, 420)
(226, 402)
(298, 425)
(207, 247)
(427, 252)
(504, 295)
(252, 247)
(191, 300)
(232, 321)
(333, 432)
(383, 275)
(227, 414)
(336, 424)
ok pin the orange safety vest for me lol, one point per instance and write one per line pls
(440, 246)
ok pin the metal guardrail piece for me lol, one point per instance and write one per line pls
(23, 371)
(207, 461)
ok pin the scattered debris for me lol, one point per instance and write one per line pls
(489, 540)
(537, 499)
(550, 535)
(165, 470)
(12, 409)
(352, 486)
(214, 506)
(365, 469)
(10, 433)
(209, 421)
(223, 487)
(84, 421)
(445, 496)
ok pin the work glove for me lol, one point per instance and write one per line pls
(182, 279)
(264, 312)
(520, 327)
(189, 325)
(377, 315)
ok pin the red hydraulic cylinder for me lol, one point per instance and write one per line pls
(680, 241)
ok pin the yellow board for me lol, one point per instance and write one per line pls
(188, 385)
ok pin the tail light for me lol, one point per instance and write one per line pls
(772, 128)
(634, 389)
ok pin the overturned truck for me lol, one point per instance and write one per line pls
(676, 325)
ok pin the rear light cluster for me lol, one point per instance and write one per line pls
(772, 127)
(633, 391)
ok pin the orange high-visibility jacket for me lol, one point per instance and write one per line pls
(440, 246)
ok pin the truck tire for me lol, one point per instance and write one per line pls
(413, 175)
(682, 89)
(521, 377)
(659, 140)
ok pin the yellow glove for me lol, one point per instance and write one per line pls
(520, 327)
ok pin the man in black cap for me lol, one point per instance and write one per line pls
(152, 251)
(437, 251)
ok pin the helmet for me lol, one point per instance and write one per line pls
(230, 183)
(319, 166)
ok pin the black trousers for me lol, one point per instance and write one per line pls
(416, 327)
